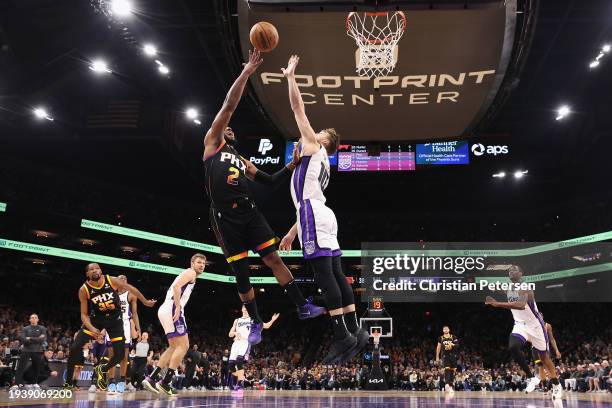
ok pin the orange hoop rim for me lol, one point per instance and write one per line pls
(378, 14)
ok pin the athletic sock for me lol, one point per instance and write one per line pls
(339, 327)
(251, 307)
(168, 377)
(294, 293)
(350, 319)
(155, 374)
(555, 381)
(122, 378)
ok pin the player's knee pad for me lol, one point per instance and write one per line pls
(239, 363)
(345, 289)
(241, 272)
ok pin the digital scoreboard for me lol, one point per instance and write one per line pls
(398, 157)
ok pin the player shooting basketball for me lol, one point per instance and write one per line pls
(236, 221)
(317, 228)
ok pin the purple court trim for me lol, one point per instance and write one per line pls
(518, 336)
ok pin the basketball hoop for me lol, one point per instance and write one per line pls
(376, 337)
(376, 35)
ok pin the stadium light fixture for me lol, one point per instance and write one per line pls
(191, 113)
(150, 50)
(562, 112)
(121, 7)
(594, 64)
(519, 174)
(500, 174)
(41, 113)
(606, 48)
(99, 66)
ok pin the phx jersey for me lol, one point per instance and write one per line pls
(105, 309)
(235, 220)
(449, 350)
(225, 174)
(103, 300)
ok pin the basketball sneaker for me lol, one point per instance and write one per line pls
(532, 383)
(121, 387)
(362, 340)
(339, 348)
(100, 378)
(112, 388)
(146, 383)
(309, 310)
(255, 334)
(165, 389)
(557, 392)
(92, 389)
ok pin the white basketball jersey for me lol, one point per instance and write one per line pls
(185, 292)
(243, 327)
(529, 315)
(126, 313)
(310, 178)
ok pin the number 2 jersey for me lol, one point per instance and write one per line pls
(225, 177)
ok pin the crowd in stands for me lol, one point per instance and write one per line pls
(281, 361)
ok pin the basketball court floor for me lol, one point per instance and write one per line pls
(318, 399)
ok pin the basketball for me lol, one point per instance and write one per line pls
(264, 36)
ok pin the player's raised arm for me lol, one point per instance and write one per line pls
(519, 304)
(269, 324)
(214, 136)
(297, 104)
(438, 348)
(123, 285)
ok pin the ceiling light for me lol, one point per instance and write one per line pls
(191, 113)
(562, 112)
(520, 173)
(99, 66)
(121, 7)
(150, 50)
(41, 113)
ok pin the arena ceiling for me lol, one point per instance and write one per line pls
(129, 127)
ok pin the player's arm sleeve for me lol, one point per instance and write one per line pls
(262, 177)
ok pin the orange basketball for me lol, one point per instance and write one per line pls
(264, 36)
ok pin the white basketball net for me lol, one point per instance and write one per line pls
(376, 35)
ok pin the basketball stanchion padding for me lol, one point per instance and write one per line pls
(376, 380)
